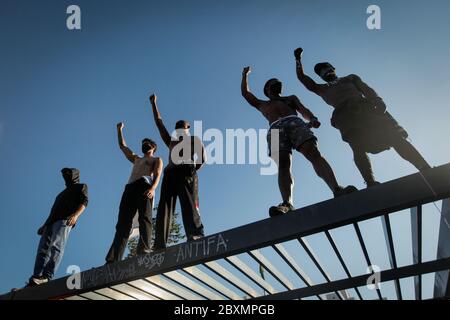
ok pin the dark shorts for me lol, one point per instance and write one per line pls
(361, 126)
(293, 132)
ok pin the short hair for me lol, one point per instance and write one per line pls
(151, 142)
(182, 124)
(321, 66)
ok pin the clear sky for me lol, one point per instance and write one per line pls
(62, 92)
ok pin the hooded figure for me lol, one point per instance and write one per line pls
(66, 210)
(71, 176)
(69, 200)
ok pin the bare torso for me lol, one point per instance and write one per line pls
(340, 91)
(142, 166)
(274, 110)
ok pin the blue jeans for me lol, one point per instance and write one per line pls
(51, 249)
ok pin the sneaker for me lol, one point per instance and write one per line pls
(280, 209)
(194, 238)
(36, 281)
(343, 191)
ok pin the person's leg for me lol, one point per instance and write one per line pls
(321, 166)
(188, 193)
(285, 178)
(164, 215)
(363, 164)
(408, 152)
(127, 210)
(43, 252)
(145, 224)
(60, 234)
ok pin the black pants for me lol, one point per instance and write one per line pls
(181, 182)
(133, 200)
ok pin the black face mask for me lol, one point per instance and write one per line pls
(276, 88)
(71, 176)
(146, 148)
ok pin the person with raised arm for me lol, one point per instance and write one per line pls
(291, 133)
(137, 197)
(361, 117)
(186, 156)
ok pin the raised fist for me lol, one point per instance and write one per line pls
(298, 53)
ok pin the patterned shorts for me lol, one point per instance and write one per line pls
(293, 132)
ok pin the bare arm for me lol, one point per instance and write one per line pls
(157, 169)
(250, 97)
(309, 83)
(165, 136)
(130, 155)
(305, 112)
(72, 220)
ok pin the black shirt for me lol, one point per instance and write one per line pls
(67, 202)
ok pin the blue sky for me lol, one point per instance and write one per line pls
(62, 92)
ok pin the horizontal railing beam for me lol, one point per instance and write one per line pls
(399, 194)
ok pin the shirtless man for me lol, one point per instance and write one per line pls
(294, 133)
(137, 196)
(186, 156)
(360, 115)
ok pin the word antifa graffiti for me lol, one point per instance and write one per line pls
(204, 247)
(235, 144)
(118, 272)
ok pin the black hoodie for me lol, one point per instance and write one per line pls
(70, 199)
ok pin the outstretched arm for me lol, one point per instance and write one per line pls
(369, 93)
(130, 155)
(157, 169)
(309, 83)
(305, 112)
(165, 136)
(250, 97)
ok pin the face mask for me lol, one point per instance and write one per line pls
(146, 148)
(71, 176)
(276, 88)
(327, 73)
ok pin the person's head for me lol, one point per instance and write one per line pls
(273, 88)
(70, 176)
(326, 71)
(148, 146)
(182, 128)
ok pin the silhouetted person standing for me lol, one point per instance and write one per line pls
(293, 134)
(65, 212)
(186, 157)
(137, 196)
(361, 117)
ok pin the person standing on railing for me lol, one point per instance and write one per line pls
(361, 117)
(65, 212)
(186, 156)
(293, 134)
(137, 196)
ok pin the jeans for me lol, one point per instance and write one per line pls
(51, 249)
